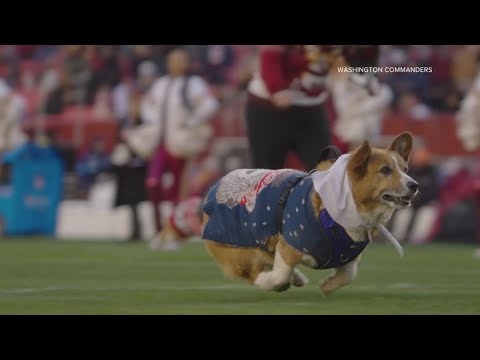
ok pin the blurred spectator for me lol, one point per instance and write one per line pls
(77, 74)
(92, 163)
(285, 107)
(12, 110)
(45, 52)
(159, 54)
(178, 105)
(216, 61)
(468, 118)
(146, 75)
(55, 93)
(410, 105)
(441, 83)
(245, 67)
(130, 170)
(151, 53)
(121, 98)
(25, 51)
(105, 70)
(465, 67)
(414, 223)
(102, 106)
(360, 100)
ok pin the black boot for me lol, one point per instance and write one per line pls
(136, 233)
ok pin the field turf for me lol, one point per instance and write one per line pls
(45, 276)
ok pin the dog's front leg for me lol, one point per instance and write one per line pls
(341, 277)
(279, 277)
(299, 279)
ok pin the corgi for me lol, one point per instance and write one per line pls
(260, 224)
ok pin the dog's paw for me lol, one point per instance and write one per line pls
(325, 292)
(299, 279)
(326, 288)
(283, 287)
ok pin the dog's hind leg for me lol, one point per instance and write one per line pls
(342, 276)
(280, 277)
(238, 262)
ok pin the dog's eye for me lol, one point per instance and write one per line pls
(406, 169)
(386, 170)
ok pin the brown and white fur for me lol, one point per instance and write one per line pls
(379, 185)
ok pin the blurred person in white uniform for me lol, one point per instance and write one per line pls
(12, 111)
(360, 99)
(468, 132)
(176, 111)
(468, 118)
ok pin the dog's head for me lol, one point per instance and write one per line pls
(379, 176)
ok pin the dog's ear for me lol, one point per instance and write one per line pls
(359, 161)
(402, 145)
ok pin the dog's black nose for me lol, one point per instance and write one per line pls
(413, 186)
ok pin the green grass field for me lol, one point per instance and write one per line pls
(42, 276)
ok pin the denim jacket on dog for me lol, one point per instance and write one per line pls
(242, 210)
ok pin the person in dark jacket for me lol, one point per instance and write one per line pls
(285, 108)
(130, 172)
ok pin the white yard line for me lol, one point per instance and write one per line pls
(27, 290)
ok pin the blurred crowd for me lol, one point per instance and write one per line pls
(113, 82)
(53, 77)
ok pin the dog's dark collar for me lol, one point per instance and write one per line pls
(283, 198)
(331, 153)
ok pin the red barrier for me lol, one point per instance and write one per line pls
(77, 126)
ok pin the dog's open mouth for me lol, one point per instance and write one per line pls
(398, 200)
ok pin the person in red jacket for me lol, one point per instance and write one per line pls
(285, 108)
